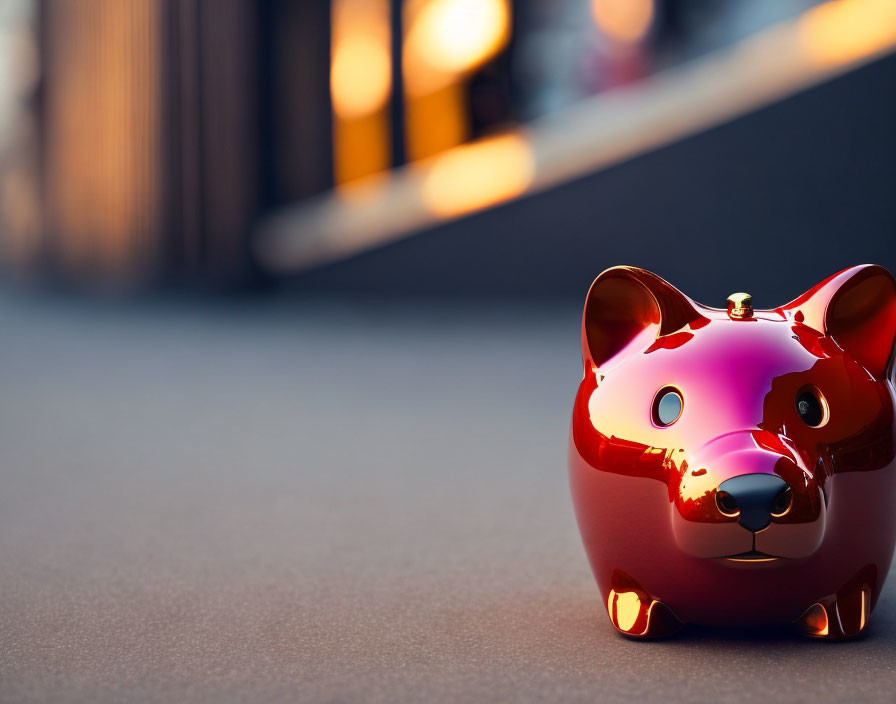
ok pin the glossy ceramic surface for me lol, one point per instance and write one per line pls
(804, 530)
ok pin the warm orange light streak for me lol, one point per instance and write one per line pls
(436, 121)
(103, 122)
(846, 30)
(361, 146)
(477, 175)
(360, 85)
(624, 21)
(361, 65)
(446, 39)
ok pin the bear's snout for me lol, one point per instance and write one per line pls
(746, 492)
(754, 498)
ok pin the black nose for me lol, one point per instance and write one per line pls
(756, 496)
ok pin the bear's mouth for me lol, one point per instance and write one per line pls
(752, 556)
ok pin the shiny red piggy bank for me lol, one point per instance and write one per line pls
(736, 466)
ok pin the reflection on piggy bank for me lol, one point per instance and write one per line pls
(736, 467)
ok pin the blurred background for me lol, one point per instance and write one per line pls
(290, 295)
(446, 146)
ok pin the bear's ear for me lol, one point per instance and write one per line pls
(627, 309)
(857, 309)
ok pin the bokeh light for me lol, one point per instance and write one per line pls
(624, 21)
(360, 86)
(847, 30)
(478, 175)
(361, 69)
(448, 38)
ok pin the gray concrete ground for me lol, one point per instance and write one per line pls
(327, 502)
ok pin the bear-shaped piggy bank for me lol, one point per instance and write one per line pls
(736, 466)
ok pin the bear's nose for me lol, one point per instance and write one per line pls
(755, 497)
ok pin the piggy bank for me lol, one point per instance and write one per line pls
(732, 466)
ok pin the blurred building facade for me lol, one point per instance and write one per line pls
(149, 138)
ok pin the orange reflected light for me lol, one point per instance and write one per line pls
(866, 608)
(625, 21)
(846, 30)
(628, 608)
(361, 65)
(477, 175)
(447, 38)
(815, 620)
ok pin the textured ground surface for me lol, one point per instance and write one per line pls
(327, 502)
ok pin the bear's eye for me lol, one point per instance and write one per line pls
(811, 406)
(667, 405)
